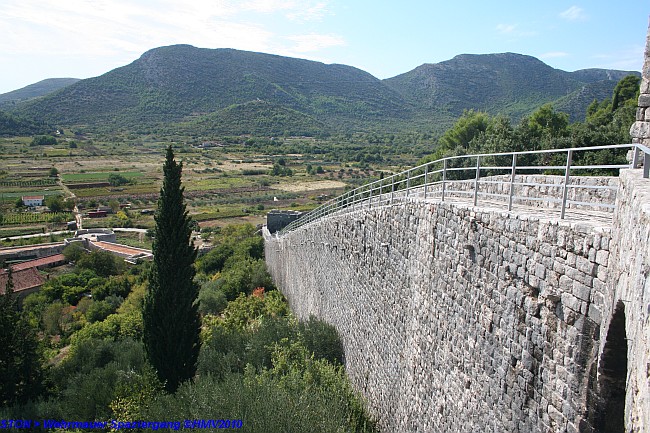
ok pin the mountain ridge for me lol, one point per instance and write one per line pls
(178, 83)
(35, 90)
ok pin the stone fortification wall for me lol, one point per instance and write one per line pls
(29, 252)
(630, 290)
(640, 130)
(276, 219)
(454, 320)
(458, 320)
(546, 191)
(538, 191)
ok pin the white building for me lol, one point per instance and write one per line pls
(33, 200)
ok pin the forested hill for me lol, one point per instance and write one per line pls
(507, 83)
(171, 83)
(35, 90)
(231, 91)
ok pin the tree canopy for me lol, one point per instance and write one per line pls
(171, 320)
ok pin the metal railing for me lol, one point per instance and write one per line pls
(495, 177)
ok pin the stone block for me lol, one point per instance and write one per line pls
(556, 416)
(592, 254)
(581, 291)
(571, 302)
(558, 266)
(585, 266)
(552, 279)
(604, 243)
(644, 100)
(645, 85)
(640, 129)
(571, 259)
(566, 283)
(595, 314)
(602, 257)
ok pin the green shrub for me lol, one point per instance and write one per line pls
(211, 299)
(298, 394)
(214, 260)
(102, 263)
(87, 380)
(99, 310)
(322, 340)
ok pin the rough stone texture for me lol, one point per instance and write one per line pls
(630, 283)
(540, 191)
(455, 319)
(276, 220)
(640, 130)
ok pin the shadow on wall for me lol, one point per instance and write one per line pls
(608, 408)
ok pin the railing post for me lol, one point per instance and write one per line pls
(567, 174)
(426, 174)
(478, 175)
(408, 182)
(370, 196)
(381, 190)
(512, 181)
(646, 165)
(444, 179)
(392, 188)
(635, 157)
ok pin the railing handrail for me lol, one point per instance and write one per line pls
(349, 199)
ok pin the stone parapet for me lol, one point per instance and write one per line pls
(640, 130)
(458, 319)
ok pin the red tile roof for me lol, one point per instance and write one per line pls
(39, 263)
(23, 279)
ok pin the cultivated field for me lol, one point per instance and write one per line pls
(237, 181)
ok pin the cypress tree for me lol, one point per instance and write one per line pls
(20, 362)
(171, 319)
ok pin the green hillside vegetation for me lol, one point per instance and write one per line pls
(607, 122)
(255, 118)
(225, 91)
(258, 364)
(35, 90)
(16, 125)
(171, 83)
(506, 84)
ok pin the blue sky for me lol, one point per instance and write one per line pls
(84, 38)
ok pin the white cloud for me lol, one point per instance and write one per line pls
(628, 59)
(95, 28)
(574, 13)
(506, 28)
(310, 13)
(293, 9)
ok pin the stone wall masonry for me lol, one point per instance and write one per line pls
(640, 130)
(630, 284)
(539, 190)
(455, 319)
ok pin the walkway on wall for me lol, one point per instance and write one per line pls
(555, 184)
(590, 217)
